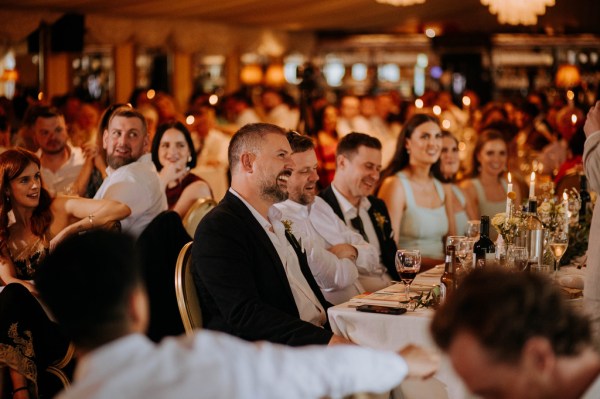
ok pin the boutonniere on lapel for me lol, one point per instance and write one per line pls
(296, 243)
(288, 225)
(381, 220)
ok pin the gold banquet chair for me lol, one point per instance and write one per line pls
(185, 290)
(196, 212)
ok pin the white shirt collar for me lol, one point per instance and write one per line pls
(347, 207)
(274, 214)
(147, 157)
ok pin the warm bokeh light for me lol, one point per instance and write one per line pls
(213, 99)
(446, 124)
(419, 103)
(574, 119)
(190, 119)
(570, 95)
(466, 100)
(437, 110)
(150, 94)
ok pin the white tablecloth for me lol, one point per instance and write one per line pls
(392, 332)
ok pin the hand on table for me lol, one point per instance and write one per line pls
(592, 122)
(339, 340)
(421, 363)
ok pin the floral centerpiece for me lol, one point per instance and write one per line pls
(509, 224)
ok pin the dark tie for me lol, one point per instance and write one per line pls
(357, 223)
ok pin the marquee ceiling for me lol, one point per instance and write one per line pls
(327, 15)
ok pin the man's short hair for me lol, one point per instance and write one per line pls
(47, 113)
(349, 144)
(503, 310)
(127, 112)
(87, 282)
(299, 142)
(249, 138)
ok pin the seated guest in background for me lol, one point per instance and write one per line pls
(350, 119)
(446, 171)
(514, 336)
(487, 187)
(252, 276)
(326, 143)
(278, 112)
(173, 155)
(132, 178)
(118, 361)
(39, 223)
(4, 133)
(61, 163)
(415, 199)
(335, 253)
(350, 197)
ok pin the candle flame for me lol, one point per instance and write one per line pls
(509, 179)
(532, 176)
(565, 195)
(573, 119)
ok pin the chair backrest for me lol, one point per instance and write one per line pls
(196, 212)
(185, 289)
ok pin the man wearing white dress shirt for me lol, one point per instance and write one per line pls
(358, 167)
(102, 305)
(513, 335)
(336, 254)
(132, 178)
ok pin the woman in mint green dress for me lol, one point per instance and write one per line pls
(416, 200)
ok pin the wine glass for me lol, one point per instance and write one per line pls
(464, 251)
(517, 258)
(454, 240)
(408, 264)
(558, 242)
(473, 227)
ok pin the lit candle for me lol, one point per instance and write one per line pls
(509, 188)
(565, 205)
(573, 119)
(532, 186)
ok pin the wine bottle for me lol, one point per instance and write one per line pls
(534, 234)
(585, 198)
(484, 251)
(448, 280)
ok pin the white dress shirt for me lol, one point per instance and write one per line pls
(215, 365)
(61, 181)
(379, 278)
(309, 307)
(137, 186)
(337, 278)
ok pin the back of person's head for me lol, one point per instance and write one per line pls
(87, 282)
(299, 142)
(128, 112)
(248, 139)
(349, 144)
(160, 131)
(503, 310)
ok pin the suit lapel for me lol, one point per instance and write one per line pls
(259, 234)
(329, 196)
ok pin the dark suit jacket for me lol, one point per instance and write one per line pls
(385, 233)
(242, 283)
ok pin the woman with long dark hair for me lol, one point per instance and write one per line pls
(174, 156)
(415, 199)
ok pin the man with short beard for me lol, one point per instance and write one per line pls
(336, 254)
(132, 178)
(61, 163)
(251, 274)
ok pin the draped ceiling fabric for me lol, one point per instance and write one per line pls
(269, 26)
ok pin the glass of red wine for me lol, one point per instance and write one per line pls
(408, 264)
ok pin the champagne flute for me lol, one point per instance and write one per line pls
(558, 242)
(408, 264)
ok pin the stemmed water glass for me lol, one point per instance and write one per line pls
(473, 227)
(558, 242)
(408, 264)
(517, 258)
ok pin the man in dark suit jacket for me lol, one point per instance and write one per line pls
(358, 167)
(252, 275)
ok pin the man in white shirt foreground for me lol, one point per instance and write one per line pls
(514, 336)
(132, 178)
(335, 253)
(101, 303)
